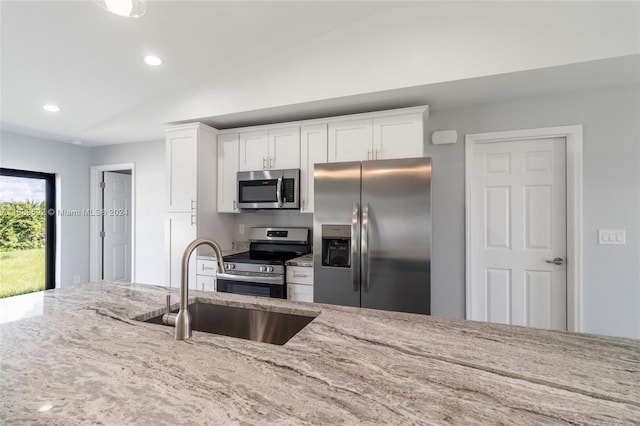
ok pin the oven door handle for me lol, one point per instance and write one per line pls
(264, 279)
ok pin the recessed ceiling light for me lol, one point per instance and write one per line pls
(152, 60)
(51, 108)
(127, 8)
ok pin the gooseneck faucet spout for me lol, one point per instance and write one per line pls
(183, 319)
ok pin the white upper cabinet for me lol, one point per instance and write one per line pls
(313, 150)
(378, 136)
(350, 140)
(284, 148)
(277, 148)
(398, 137)
(182, 159)
(254, 151)
(227, 173)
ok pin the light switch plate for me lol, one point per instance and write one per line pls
(611, 236)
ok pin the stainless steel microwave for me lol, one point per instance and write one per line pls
(269, 189)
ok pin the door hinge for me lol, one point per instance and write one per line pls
(103, 185)
(102, 234)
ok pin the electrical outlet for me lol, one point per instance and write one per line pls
(76, 279)
(241, 229)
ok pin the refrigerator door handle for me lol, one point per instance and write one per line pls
(365, 247)
(355, 243)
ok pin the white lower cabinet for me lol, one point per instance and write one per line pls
(300, 293)
(206, 270)
(299, 284)
(206, 283)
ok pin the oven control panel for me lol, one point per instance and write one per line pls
(279, 233)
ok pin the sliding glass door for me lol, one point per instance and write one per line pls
(27, 231)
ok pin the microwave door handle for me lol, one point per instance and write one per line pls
(279, 191)
(355, 244)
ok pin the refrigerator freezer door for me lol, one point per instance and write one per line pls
(397, 256)
(337, 189)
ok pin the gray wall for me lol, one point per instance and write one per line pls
(70, 163)
(611, 197)
(150, 182)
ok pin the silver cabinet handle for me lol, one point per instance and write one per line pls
(235, 205)
(377, 155)
(302, 205)
(365, 248)
(368, 154)
(355, 244)
(555, 261)
(264, 162)
(193, 218)
(271, 162)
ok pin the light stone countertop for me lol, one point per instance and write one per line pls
(84, 360)
(305, 261)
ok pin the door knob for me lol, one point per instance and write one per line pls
(556, 261)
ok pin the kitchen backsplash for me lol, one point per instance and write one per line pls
(268, 218)
(240, 245)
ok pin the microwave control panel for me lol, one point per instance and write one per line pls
(288, 190)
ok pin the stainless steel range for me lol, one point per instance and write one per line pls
(261, 270)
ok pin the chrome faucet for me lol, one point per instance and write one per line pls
(182, 320)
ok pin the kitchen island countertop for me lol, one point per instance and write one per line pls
(85, 360)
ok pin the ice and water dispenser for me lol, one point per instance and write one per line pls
(336, 246)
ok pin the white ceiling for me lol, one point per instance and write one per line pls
(88, 61)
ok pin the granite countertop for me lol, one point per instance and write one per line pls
(85, 360)
(304, 261)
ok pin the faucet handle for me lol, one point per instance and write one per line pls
(169, 318)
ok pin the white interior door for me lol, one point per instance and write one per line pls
(117, 227)
(518, 225)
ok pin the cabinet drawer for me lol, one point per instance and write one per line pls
(300, 293)
(206, 282)
(299, 275)
(206, 267)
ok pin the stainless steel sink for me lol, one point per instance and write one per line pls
(251, 324)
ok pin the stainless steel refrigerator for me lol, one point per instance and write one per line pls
(372, 234)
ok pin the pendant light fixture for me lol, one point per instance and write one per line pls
(127, 8)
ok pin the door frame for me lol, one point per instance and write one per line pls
(95, 203)
(574, 162)
(52, 260)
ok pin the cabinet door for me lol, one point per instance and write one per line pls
(284, 148)
(206, 282)
(254, 151)
(182, 168)
(300, 293)
(207, 267)
(180, 230)
(313, 150)
(299, 275)
(228, 173)
(398, 137)
(350, 140)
